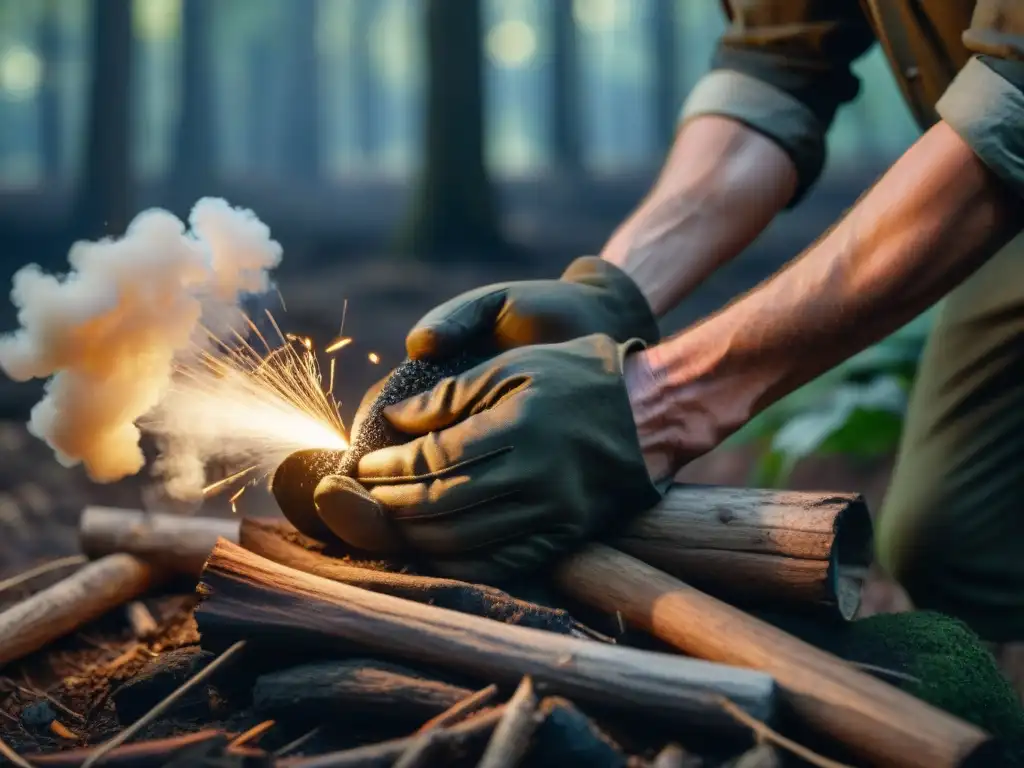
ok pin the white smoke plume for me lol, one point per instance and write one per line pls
(108, 334)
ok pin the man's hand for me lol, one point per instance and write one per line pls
(510, 465)
(592, 296)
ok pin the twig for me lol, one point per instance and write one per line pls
(163, 706)
(291, 746)
(460, 709)
(143, 624)
(53, 565)
(12, 756)
(252, 734)
(421, 750)
(511, 738)
(765, 733)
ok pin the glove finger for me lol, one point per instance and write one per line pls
(458, 324)
(352, 515)
(293, 485)
(434, 454)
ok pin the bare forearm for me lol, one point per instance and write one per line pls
(933, 219)
(721, 186)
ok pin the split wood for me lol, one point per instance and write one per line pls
(882, 724)
(248, 596)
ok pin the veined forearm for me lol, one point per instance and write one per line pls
(933, 219)
(721, 186)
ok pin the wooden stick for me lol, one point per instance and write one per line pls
(139, 754)
(65, 606)
(176, 543)
(333, 689)
(39, 570)
(511, 739)
(249, 596)
(755, 545)
(140, 619)
(461, 709)
(881, 723)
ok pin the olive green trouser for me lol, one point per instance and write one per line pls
(951, 529)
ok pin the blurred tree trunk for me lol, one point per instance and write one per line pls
(565, 99)
(301, 134)
(193, 156)
(50, 113)
(259, 137)
(666, 70)
(103, 204)
(363, 78)
(454, 212)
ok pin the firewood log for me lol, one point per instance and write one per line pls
(333, 689)
(875, 720)
(756, 547)
(87, 594)
(246, 595)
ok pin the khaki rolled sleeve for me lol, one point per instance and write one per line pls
(985, 102)
(769, 110)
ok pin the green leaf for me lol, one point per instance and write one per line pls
(859, 419)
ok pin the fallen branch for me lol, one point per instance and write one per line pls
(70, 603)
(333, 689)
(175, 543)
(877, 721)
(511, 739)
(249, 596)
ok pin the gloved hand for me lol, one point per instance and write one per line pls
(509, 465)
(592, 296)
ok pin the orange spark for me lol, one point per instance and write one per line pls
(338, 343)
(373, 357)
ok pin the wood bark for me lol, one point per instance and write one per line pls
(178, 544)
(884, 725)
(249, 596)
(70, 603)
(336, 688)
(757, 546)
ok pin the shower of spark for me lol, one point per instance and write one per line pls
(250, 405)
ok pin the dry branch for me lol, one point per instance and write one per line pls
(511, 739)
(249, 596)
(175, 543)
(755, 545)
(332, 689)
(144, 753)
(461, 709)
(883, 724)
(65, 606)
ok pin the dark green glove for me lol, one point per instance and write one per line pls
(592, 296)
(510, 465)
